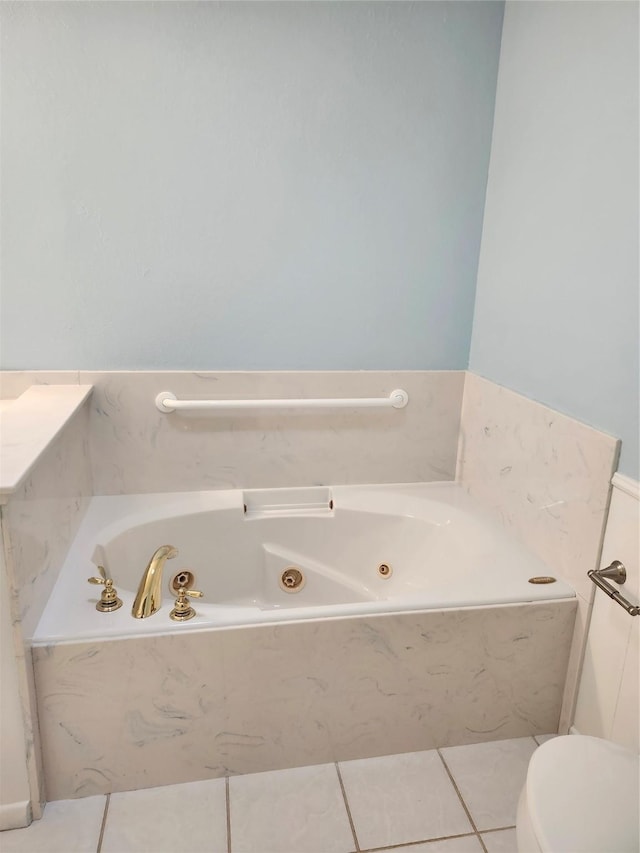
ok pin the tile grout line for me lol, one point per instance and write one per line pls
(104, 823)
(403, 844)
(346, 803)
(464, 805)
(228, 805)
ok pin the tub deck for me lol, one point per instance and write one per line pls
(444, 553)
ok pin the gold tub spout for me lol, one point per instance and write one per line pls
(149, 595)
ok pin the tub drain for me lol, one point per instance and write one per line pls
(292, 579)
(542, 579)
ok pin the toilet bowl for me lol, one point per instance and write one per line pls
(581, 795)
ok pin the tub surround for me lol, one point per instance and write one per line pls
(46, 488)
(39, 522)
(135, 448)
(43, 514)
(15, 792)
(201, 705)
(544, 474)
(547, 477)
(28, 426)
(14, 383)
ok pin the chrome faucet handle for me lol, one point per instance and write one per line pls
(183, 610)
(109, 598)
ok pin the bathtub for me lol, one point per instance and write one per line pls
(439, 549)
(415, 626)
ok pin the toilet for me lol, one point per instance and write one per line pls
(581, 795)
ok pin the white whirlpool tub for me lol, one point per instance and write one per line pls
(415, 626)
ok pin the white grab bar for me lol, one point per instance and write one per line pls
(398, 399)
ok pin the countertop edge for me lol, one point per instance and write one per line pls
(29, 425)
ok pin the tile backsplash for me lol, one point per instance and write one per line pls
(547, 477)
(137, 449)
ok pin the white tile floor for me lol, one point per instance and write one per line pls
(461, 799)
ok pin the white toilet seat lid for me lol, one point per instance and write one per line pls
(583, 796)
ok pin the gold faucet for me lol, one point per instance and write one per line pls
(149, 596)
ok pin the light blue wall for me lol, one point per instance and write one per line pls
(243, 185)
(557, 315)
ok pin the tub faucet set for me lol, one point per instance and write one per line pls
(148, 598)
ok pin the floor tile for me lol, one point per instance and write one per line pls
(67, 826)
(466, 844)
(289, 811)
(401, 798)
(187, 818)
(543, 738)
(501, 841)
(490, 777)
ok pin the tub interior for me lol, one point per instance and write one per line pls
(442, 552)
(237, 559)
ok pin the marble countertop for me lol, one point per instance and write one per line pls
(29, 424)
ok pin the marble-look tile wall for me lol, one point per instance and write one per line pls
(13, 383)
(547, 477)
(38, 523)
(204, 704)
(135, 448)
(15, 789)
(42, 517)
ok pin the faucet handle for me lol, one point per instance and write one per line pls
(102, 578)
(194, 593)
(109, 598)
(183, 610)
